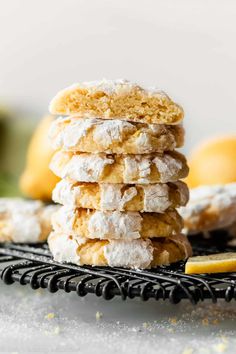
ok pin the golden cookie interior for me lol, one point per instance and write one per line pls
(118, 99)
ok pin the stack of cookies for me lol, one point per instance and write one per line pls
(119, 176)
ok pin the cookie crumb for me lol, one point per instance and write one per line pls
(205, 322)
(99, 315)
(170, 330)
(56, 330)
(134, 329)
(173, 321)
(224, 339)
(50, 316)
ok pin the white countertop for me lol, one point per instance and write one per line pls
(128, 326)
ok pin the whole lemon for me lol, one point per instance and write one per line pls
(213, 162)
(37, 181)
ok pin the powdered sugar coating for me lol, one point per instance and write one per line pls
(107, 86)
(84, 167)
(155, 197)
(70, 136)
(64, 248)
(136, 254)
(67, 132)
(137, 168)
(23, 220)
(64, 220)
(101, 225)
(119, 225)
(112, 197)
(216, 196)
(210, 207)
(140, 166)
(116, 86)
(167, 167)
(65, 193)
(112, 136)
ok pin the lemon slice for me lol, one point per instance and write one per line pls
(214, 263)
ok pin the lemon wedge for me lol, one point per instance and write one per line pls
(213, 263)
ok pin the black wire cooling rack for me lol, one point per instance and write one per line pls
(33, 265)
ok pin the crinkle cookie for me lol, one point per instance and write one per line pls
(115, 224)
(123, 197)
(143, 169)
(114, 136)
(118, 99)
(24, 221)
(210, 208)
(138, 254)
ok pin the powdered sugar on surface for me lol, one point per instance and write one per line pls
(130, 326)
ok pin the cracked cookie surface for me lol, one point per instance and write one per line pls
(122, 197)
(114, 136)
(137, 254)
(143, 169)
(115, 224)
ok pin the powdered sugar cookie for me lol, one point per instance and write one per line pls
(119, 99)
(123, 197)
(210, 208)
(138, 254)
(114, 136)
(143, 169)
(115, 224)
(24, 221)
